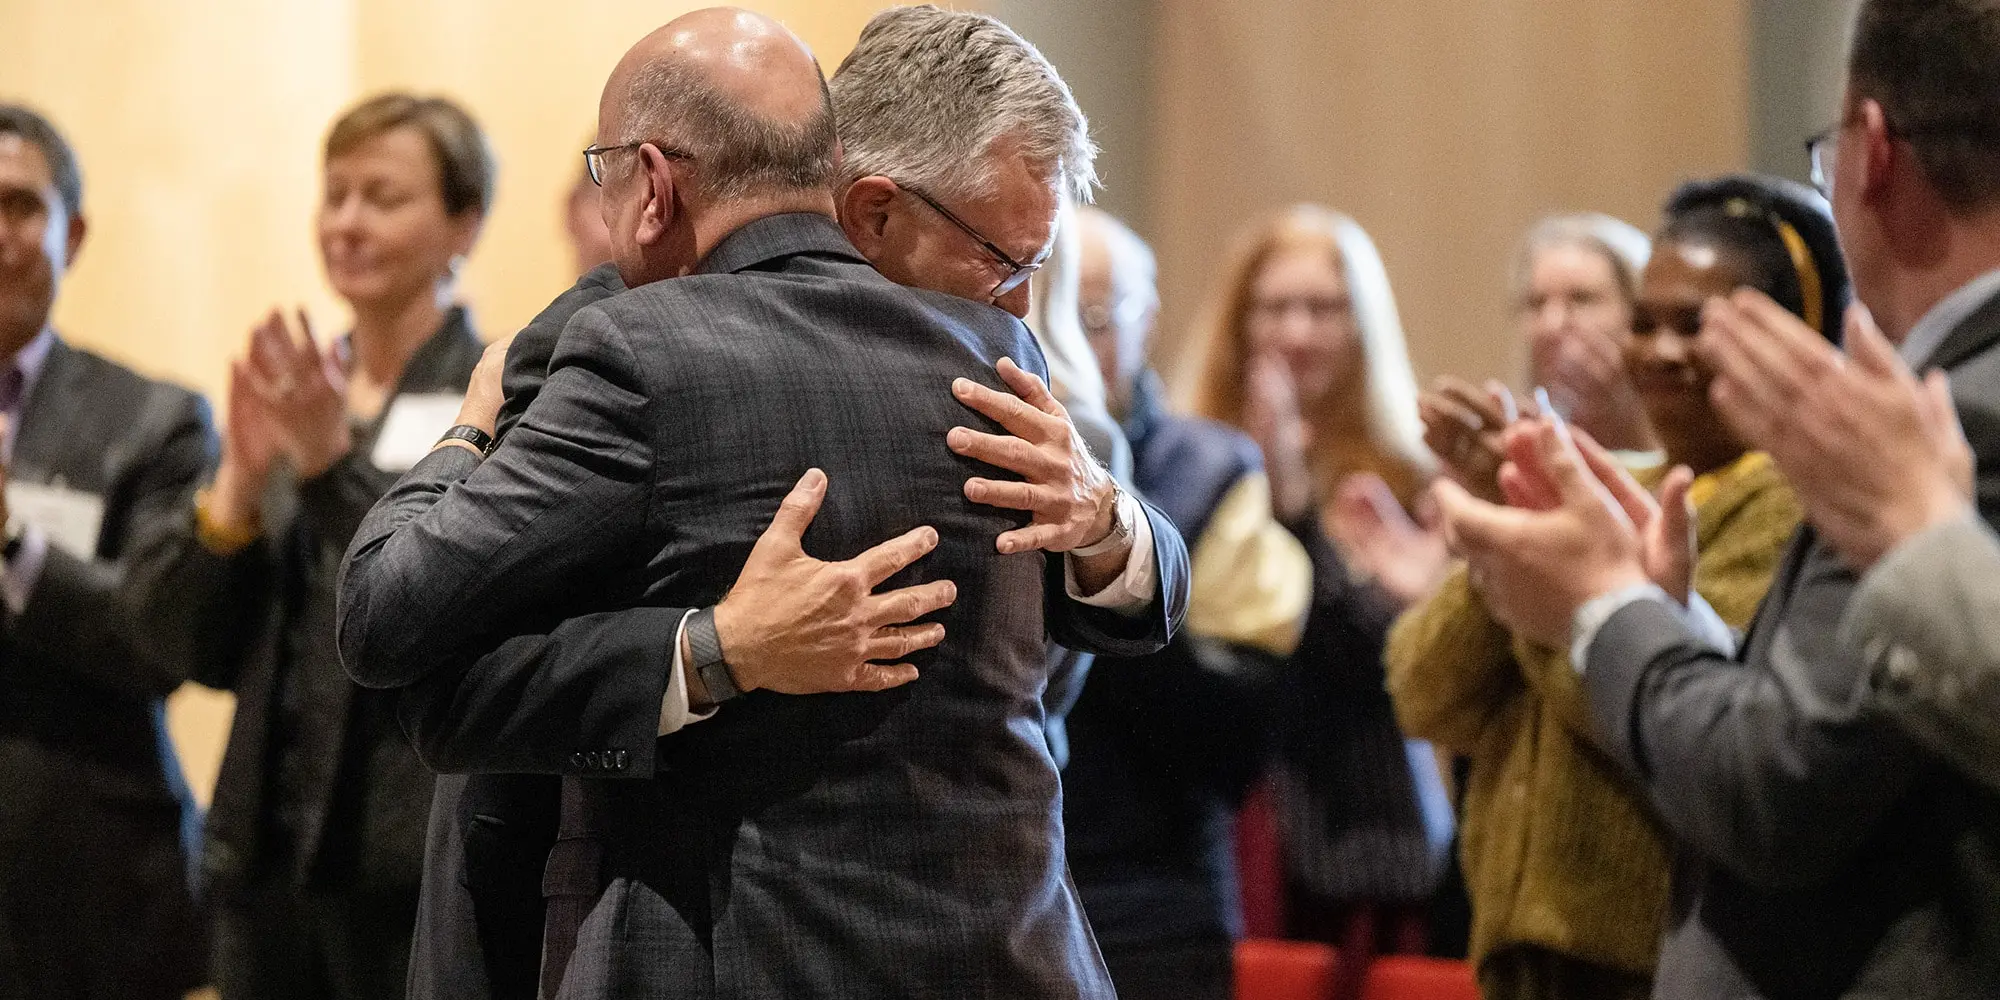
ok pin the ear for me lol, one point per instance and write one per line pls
(78, 228)
(864, 213)
(1878, 149)
(465, 227)
(662, 208)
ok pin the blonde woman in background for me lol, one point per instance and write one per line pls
(1303, 349)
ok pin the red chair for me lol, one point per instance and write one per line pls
(1409, 977)
(1260, 868)
(1284, 970)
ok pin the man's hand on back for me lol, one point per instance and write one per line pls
(796, 625)
(1072, 497)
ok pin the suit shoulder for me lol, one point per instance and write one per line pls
(111, 383)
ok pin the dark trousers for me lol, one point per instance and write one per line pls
(274, 943)
(1181, 970)
(94, 906)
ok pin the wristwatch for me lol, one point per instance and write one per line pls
(709, 664)
(1122, 516)
(473, 436)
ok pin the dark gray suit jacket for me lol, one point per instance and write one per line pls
(95, 817)
(1822, 853)
(906, 843)
(480, 914)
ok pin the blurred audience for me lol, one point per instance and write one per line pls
(1822, 852)
(583, 222)
(1578, 281)
(1576, 278)
(1303, 349)
(316, 836)
(1163, 747)
(96, 821)
(1566, 865)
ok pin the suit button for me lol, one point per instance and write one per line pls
(618, 760)
(596, 760)
(576, 760)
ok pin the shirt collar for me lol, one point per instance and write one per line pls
(1937, 325)
(30, 360)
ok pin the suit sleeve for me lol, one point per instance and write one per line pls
(91, 617)
(590, 685)
(1762, 767)
(1088, 629)
(446, 569)
(1927, 622)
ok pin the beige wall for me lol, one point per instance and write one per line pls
(1444, 127)
(199, 122)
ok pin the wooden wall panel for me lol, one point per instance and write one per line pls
(1444, 127)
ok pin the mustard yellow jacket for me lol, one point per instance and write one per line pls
(1559, 851)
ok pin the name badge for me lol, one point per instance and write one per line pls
(414, 423)
(69, 518)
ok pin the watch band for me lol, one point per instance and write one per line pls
(1121, 528)
(709, 663)
(473, 436)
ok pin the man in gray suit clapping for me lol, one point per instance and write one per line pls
(1826, 851)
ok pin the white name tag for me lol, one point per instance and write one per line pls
(70, 518)
(414, 423)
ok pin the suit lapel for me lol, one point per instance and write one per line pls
(46, 444)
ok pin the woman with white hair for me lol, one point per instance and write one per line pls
(1575, 280)
(1303, 349)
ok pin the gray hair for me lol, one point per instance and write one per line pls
(1620, 243)
(925, 93)
(735, 150)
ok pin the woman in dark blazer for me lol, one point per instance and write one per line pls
(316, 837)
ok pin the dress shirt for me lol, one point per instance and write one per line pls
(19, 575)
(1130, 593)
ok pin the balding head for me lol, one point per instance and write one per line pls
(1118, 297)
(737, 92)
(716, 120)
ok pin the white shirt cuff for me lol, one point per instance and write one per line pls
(1699, 616)
(675, 713)
(1598, 610)
(1710, 626)
(1132, 592)
(19, 576)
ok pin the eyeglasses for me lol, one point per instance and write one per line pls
(593, 157)
(1824, 149)
(1017, 272)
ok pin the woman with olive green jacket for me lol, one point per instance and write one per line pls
(1564, 862)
